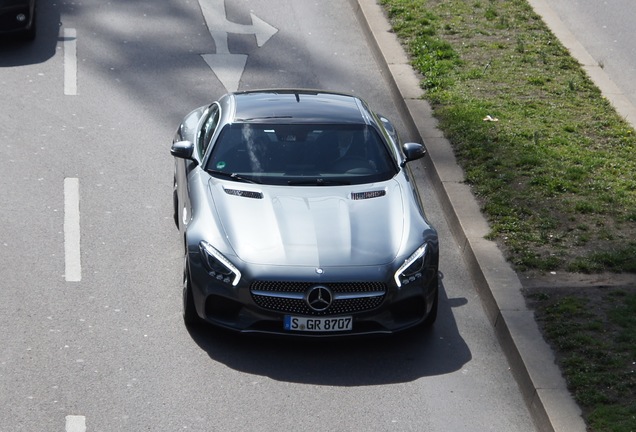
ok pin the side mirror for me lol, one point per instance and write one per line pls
(182, 150)
(413, 151)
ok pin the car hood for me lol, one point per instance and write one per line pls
(311, 226)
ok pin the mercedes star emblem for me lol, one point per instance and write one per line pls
(319, 298)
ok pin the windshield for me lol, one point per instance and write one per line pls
(304, 155)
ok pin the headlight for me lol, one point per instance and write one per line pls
(412, 268)
(217, 265)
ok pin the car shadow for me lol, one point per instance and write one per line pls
(15, 51)
(352, 362)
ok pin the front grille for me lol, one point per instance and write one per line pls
(289, 297)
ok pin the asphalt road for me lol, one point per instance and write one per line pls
(90, 305)
(606, 30)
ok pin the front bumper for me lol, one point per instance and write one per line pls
(262, 299)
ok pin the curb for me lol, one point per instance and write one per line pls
(531, 360)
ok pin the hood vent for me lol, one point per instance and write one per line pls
(367, 195)
(243, 193)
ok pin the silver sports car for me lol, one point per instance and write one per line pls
(299, 217)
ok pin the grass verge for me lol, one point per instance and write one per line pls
(553, 167)
(550, 160)
(593, 331)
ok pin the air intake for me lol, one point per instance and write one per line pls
(367, 195)
(243, 193)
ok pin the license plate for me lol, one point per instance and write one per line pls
(318, 324)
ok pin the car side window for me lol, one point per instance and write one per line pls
(208, 129)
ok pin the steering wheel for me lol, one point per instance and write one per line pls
(353, 165)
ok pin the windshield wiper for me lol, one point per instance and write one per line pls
(234, 176)
(317, 182)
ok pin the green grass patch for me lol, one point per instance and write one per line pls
(594, 333)
(558, 158)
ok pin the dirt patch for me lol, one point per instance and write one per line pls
(575, 281)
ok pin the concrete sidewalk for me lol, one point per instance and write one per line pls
(531, 359)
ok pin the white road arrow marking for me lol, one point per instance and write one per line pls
(229, 67)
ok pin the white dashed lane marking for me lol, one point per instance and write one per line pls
(75, 423)
(72, 256)
(70, 61)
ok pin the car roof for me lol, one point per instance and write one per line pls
(299, 106)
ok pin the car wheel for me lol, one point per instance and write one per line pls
(190, 316)
(175, 203)
(432, 315)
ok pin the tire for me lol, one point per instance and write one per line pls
(175, 203)
(190, 316)
(432, 315)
